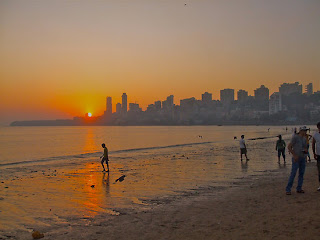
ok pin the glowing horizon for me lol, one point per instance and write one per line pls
(62, 58)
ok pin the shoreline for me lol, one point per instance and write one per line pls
(198, 204)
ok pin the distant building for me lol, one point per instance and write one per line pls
(261, 93)
(242, 95)
(227, 96)
(109, 106)
(207, 97)
(118, 108)
(134, 107)
(157, 105)
(309, 89)
(168, 104)
(287, 89)
(275, 103)
(188, 103)
(124, 103)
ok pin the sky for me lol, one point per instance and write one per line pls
(60, 59)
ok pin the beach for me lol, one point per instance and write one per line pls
(194, 191)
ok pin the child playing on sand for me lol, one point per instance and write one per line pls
(243, 148)
(105, 157)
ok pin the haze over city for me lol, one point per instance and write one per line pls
(62, 58)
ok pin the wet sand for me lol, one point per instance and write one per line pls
(254, 210)
(180, 193)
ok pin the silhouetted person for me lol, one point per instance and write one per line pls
(298, 148)
(308, 138)
(281, 147)
(105, 157)
(316, 150)
(243, 148)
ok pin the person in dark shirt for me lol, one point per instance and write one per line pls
(281, 147)
(105, 157)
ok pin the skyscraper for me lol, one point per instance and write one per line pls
(118, 108)
(109, 106)
(287, 89)
(309, 89)
(261, 93)
(227, 96)
(206, 97)
(275, 103)
(242, 95)
(124, 103)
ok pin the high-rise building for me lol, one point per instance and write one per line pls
(157, 105)
(275, 103)
(118, 108)
(109, 106)
(242, 95)
(309, 89)
(287, 89)
(207, 97)
(227, 96)
(134, 107)
(168, 104)
(124, 103)
(261, 93)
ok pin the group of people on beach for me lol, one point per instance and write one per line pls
(299, 148)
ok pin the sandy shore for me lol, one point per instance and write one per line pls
(254, 210)
(251, 207)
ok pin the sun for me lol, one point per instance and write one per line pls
(89, 114)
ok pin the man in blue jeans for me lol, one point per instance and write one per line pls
(298, 148)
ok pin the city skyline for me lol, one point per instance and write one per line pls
(258, 93)
(59, 59)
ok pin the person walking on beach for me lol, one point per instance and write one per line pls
(243, 148)
(308, 138)
(316, 149)
(281, 147)
(105, 157)
(298, 148)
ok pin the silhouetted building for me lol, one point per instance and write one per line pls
(309, 89)
(275, 103)
(227, 96)
(287, 89)
(118, 108)
(157, 105)
(168, 104)
(242, 95)
(134, 107)
(261, 93)
(207, 97)
(109, 106)
(124, 103)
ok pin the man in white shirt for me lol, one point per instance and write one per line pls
(316, 149)
(243, 148)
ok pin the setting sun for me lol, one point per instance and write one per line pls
(89, 114)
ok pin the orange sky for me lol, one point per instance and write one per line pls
(61, 59)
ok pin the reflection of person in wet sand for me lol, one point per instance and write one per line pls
(106, 181)
(105, 157)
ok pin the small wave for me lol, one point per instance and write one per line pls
(97, 154)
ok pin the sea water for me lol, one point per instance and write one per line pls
(39, 144)
(51, 176)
